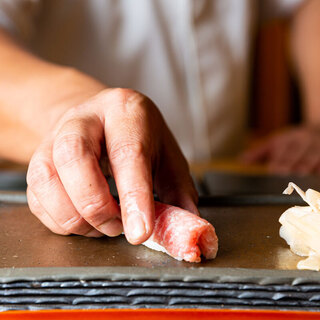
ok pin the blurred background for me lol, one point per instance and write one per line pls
(275, 102)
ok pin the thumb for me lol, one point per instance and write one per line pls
(173, 182)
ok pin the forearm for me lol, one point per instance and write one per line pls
(305, 43)
(33, 95)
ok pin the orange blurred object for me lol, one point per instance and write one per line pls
(152, 314)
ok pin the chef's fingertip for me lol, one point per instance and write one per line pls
(136, 229)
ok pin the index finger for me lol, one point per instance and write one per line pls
(129, 150)
(132, 172)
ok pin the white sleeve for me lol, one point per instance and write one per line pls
(274, 8)
(17, 16)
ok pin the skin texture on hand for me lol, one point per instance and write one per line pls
(67, 190)
(70, 125)
(294, 151)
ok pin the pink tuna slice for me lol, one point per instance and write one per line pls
(183, 235)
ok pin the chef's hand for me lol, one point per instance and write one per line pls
(67, 190)
(296, 150)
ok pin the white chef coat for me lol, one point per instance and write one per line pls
(191, 57)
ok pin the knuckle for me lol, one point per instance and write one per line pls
(92, 209)
(77, 122)
(70, 148)
(40, 173)
(132, 102)
(122, 94)
(121, 152)
(135, 192)
(73, 224)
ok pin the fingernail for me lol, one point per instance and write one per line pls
(94, 234)
(136, 228)
(112, 227)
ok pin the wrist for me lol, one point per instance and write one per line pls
(70, 88)
(38, 107)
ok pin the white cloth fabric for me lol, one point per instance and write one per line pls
(190, 57)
